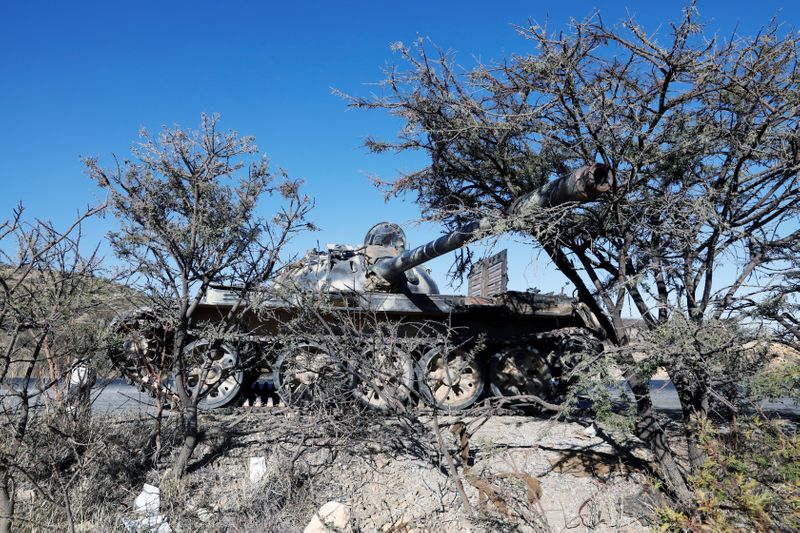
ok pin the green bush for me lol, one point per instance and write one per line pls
(750, 481)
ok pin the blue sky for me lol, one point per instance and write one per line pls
(81, 78)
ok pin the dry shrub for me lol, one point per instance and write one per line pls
(82, 472)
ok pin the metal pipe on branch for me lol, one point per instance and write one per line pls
(584, 185)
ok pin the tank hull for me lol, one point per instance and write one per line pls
(506, 316)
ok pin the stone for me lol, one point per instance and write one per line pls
(331, 516)
(26, 495)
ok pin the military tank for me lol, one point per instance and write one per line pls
(446, 350)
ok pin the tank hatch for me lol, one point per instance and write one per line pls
(384, 239)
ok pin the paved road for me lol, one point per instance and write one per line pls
(114, 397)
(665, 398)
(117, 396)
(107, 397)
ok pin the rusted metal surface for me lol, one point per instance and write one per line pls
(584, 185)
(489, 276)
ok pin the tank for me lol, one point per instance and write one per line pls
(417, 345)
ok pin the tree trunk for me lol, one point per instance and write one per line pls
(6, 501)
(694, 408)
(697, 455)
(157, 428)
(647, 427)
(650, 431)
(190, 439)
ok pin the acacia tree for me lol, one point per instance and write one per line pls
(187, 206)
(701, 133)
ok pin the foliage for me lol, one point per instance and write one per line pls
(777, 382)
(188, 205)
(700, 132)
(597, 380)
(750, 481)
(86, 471)
(780, 305)
(717, 354)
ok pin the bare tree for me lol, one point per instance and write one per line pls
(188, 207)
(701, 132)
(48, 292)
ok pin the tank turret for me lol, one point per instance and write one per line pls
(342, 268)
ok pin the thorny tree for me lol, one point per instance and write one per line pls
(775, 300)
(702, 133)
(781, 304)
(187, 206)
(48, 289)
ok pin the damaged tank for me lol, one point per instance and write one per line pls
(499, 342)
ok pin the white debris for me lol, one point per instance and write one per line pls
(81, 380)
(204, 514)
(148, 501)
(258, 469)
(148, 506)
(331, 516)
(78, 375)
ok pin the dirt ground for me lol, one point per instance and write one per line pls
(521, 474)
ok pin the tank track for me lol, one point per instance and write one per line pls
(552, 354)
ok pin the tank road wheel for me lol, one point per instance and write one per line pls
(384, 378)
(521, 371)
(223, 373)
(308, 374)
(138, 340)
(450, 380)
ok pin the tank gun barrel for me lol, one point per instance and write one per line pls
(584, 185)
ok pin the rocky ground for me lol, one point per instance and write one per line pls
(521, 474)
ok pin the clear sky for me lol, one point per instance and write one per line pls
(81, 78)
